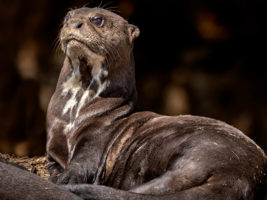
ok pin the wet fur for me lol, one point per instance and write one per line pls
(102, 149)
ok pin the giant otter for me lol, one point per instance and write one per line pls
(102, 149)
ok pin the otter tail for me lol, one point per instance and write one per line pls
(207, 191)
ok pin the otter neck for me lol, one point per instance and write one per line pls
(105, 79)
(99, 90)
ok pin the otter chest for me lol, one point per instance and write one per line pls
(76, 96)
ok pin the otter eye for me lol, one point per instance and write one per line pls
(97, 20)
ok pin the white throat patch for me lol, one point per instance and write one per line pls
(72, 86)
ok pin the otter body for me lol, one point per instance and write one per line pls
(102, 149)
(16, 183)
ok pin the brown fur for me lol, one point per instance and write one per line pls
(94, 137)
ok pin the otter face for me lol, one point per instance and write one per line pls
(96, 35)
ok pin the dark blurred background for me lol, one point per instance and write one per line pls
(192, 57)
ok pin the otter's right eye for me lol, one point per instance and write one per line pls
(97, 20)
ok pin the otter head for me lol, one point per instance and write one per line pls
(92, 37)
(99, 62)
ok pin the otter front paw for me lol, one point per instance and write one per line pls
(76, 173)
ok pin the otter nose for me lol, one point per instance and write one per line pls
(78, 25)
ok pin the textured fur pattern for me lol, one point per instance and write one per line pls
(103, 150)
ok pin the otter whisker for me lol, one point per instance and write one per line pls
(100, 5)
(86, 5)
(115, 52)
(105, 6)
(114, 9)
(56, 45)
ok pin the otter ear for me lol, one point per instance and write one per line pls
(133, 32)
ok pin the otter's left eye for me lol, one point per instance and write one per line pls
(99, 21)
